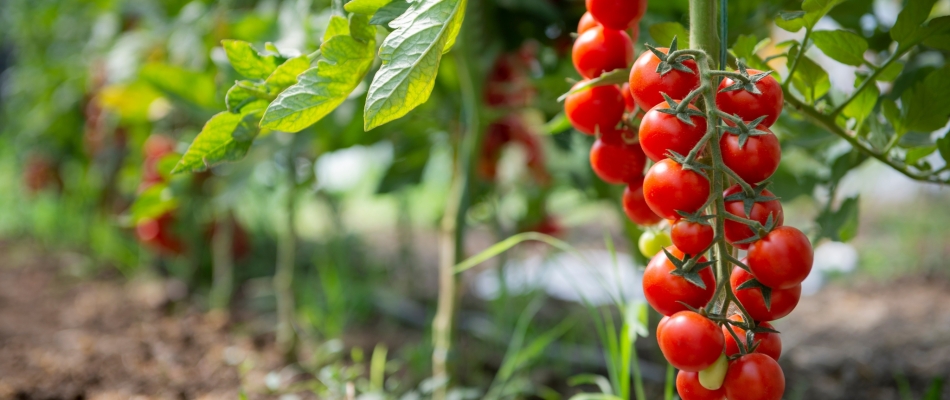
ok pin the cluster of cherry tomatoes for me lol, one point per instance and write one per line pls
(718, 357)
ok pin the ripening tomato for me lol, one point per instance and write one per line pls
(691, 237)
(689, 388)
(586, 23)
(617, 14)
(665, 291)
(667, 187)
(595, 110)
(600, 50)
(737, 231)
(769, 343)
(691, 342)
(661, 132)
(636, 207)
(782, 259)
(783, 300)
(754, 377)
(646, 84)
(653, 241)
(748, 105)
(158, 234)
(616, 161)
(628, 102)
(754, 161)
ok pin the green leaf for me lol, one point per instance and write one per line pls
(345, 61)
(890, 73)
(863, 104)
(911, 19)
(191, 86)
(893, 115)
(918, 153)
(247, 61)
(791, 21)
(810, 79)
(841, 224)
(367, 7)
(225, 137)
(816, 9)
(286, 74)
(939, 42)
(558, 124)
(664, 33)
(338, 26)
(637, 317)
(411, 56)
(842, 46)
(747, 46)
(943, 145)
(389, 12)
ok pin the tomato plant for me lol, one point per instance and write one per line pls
(691, 342)
(669, 288)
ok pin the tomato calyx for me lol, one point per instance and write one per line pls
(745, 81)
(749, 199)
(668, 63)
(741, 129)
(755, 284)
(689, 267)
(749, 344)
(680, 109)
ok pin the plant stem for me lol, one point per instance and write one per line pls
(284, 274)
(703, 33)
(871, 80)
(452, 238)
(795, 62)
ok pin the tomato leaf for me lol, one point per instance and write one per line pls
(890, 73)
(918, 153)
(911, 19)
(411, 56)
(816, 9)
(367, 7)
(924, 106)
(810, 79)
(225, 137)
(247, 61)
(747, 46)
(389, 12)
(664, 32)
(863, 104)
(791, 21)
(346, 60)
(943, 145)
(841, 224)
(842, 46)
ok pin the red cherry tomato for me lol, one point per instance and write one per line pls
(616, 161)
(587, 22)
(691, 237)
(689, 388)
(737, 231)
(595, 109)
(782, 259)
(599, 50)
(667, 188)
(691, 342)
(664, 291)
(769, 343)
(660, 132)
(636, 207)
(646, 84)
(754, 377)
(628, 102)
(750, 106)
(659, 326)
(617, 14)
(158, 234)
(783, 300)
(756, 160)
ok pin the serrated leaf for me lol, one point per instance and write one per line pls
(411, 56)
(810, 79)
(345, 61)
(664, 32)
(194, 87)
(863, 104)
(243, 93)
(910, 20)
(247, 61)
(842, 46)
(367, 7)
(389, 12)
(286, 74)
(890, 73)
(791, 21)
(924, 106)
(225, 137)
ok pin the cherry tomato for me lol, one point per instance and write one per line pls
(691, 237)
(754, 377)
(158, 234)
(636, 207)
(660, 325)
(756, 160)
(737, 231)
(646, 84)
(782, 259)
(769, 343)
(595, 110)
(628, 102)
(664, 291)
(587, 22)
(660, 132)
(617, 14)
(688, 387)
(616, 161)
(691, 342)
(783, 300)
(599, 50)
(652, 242)
(750, 106)
(667, 187)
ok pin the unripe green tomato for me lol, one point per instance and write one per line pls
(711, 378)
(653, 241)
